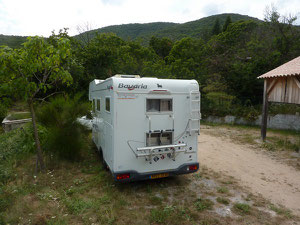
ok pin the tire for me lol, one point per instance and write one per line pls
(104, 164)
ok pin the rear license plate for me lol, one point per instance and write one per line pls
(160, 175)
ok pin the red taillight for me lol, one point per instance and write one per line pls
(123, 176)
(193, 167)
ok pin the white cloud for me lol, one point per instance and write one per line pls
(40, 17)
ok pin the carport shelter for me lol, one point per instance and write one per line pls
(281, 84)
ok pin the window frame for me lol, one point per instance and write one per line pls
(96, 106)
(159, 112)
(108, 97)
(147, 134)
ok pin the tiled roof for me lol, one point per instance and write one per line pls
(291, 68)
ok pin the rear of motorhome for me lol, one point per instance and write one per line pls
(146, 128)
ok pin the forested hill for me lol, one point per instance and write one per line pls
(135, 30)
(199, 28)
(174, 31)
(11, 40)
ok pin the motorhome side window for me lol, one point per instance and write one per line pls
(98, 105)
(107, 104)
(93, 105)
(159, 105)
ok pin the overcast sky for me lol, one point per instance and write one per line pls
(40, 17)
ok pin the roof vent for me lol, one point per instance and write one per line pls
(127, 76)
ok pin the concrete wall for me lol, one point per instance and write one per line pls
(9, 125)
(279, 121)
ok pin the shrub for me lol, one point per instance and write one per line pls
(66, 137)
(15, 145)
(280, 108)
(5, 103)
(252, 114)
(3, 112)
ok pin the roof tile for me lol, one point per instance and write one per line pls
(291, 68)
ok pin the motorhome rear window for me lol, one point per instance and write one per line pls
(107, 104)
(98, 105)
(159, 105)
(156, 139)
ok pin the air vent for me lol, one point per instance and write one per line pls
(127, 76)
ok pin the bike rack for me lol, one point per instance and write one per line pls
(149, 152)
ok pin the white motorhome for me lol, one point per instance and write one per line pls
(146, 128)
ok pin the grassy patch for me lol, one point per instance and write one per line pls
(104, 200)
(242, 208)
(159, 215)
(250, 127)
(281, 144)
(224, 201)
(107, 216)
(6, 199)
(203, 204)
(59, 221)
(169, 214)
(154, 200)
(76, 206)
(281, 211)
(197, 176)
(223, 190)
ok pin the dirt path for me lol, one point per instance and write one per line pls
(277, 182)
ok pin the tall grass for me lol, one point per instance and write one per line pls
(66, 137)
(14, 146)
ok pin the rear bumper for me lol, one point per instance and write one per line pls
(134, 175)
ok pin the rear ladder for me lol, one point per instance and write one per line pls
(195, 115)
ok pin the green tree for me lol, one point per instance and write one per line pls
(108, 54)
(186, 59)
(216, 28)
(161, 46)
(217, 100)
(100, 57)
(227, 22)
(32, 72)
(286, 36)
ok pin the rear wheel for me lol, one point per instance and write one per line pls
(104, 164)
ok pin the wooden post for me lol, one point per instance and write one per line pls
(264, 118)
